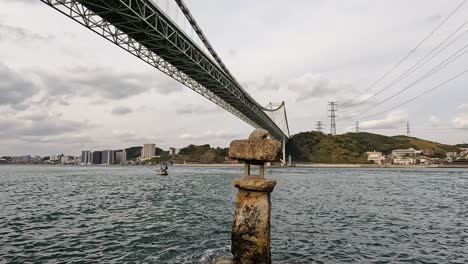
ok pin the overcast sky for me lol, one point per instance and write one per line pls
(66, 89)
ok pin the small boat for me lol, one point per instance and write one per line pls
(162, 172)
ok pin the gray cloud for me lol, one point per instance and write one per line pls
(268, 84)
(15, 90)
(14, 33)
(105, 84)
(31, 126)
(128, 136)
(197, 109)
(393, 120)
(210, 135)
(121, 110)
(310, 86)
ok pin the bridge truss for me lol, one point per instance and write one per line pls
(141, 28)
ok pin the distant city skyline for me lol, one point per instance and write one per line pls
(65, 90)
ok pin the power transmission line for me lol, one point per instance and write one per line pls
(421, 62)
(418, 96)
(407, 56)
(357, 126)
(437, 68)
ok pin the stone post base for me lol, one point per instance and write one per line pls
(251, 227)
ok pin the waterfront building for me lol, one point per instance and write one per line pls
(37, 159)
(107, 157)
(411, 152)
(404, 160)
(375, 157)
(464, 152)
(120, 157)
(85, 157)
(405, 156)
(67, 160)
(173, 151)
(90, 158)
(96, 157)
(53, 159)
(148, 151)
(452, 154)
(21, 159)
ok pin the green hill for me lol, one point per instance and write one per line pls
(352, 147)
(202, 154)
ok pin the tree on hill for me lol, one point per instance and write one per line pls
(133, 152)
(352, 147)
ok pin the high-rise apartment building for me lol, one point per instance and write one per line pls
(107, 157)
(97, 156)
(148, 151)
(85, 157)
(120, 156)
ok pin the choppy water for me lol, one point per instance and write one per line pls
(127, 215)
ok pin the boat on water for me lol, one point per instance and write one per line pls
(163, 170)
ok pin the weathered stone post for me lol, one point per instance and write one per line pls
(251, 228)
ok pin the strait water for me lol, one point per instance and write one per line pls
(53, 214)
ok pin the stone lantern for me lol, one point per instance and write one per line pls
(251, 228)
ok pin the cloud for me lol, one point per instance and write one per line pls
(433, 18)
(268, 84)
(104, 83)
(463, 107)
(15, 34)
(24, 1)
(310, 86)
(129, 136)
(460, 122)
(61, 139)
(197, 109)
(210, 135)
(121, 110)
(393, 120)
(15, 89)
(39, 127)
(434, 120)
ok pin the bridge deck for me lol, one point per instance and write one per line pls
(144, 22)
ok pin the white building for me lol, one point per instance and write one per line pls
(411, 152)
(375, 157)
(148, 151)
(404, 160)
(405, 156)
(452, 154)
(54, 158)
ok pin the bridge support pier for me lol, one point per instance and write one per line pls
(250, 238)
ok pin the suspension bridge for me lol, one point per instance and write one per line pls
(145, 29)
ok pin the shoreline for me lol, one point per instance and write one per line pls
(376, 166)
(299, 165)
